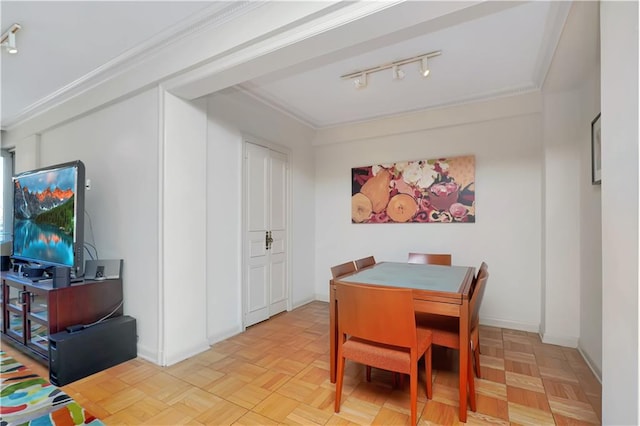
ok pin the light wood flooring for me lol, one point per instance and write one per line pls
(277, 372)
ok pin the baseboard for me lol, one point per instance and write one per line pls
(596, 371)
(147, 354)
(566, 341)
(303, 302)
(322, 297)
(512, 325)
(225, 334)
(182, 355)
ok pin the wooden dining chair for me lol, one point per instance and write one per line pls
(446, 330)
(364, 262)
(347, 268)
(377, 326)
(475, 322)
(343, 269)
(430, 258)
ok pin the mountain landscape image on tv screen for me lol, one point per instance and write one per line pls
(44, 215)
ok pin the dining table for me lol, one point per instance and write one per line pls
(436, 289)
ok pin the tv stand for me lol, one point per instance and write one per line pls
(34, 310)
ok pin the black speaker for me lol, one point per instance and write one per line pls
(5, 263)
(61, 276)
(85, 351)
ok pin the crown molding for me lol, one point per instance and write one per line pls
(276, 104)
(189, 84)
(298, 115)
(207, 19)
(522, 102)
(558, 13)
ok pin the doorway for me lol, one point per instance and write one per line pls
(265, 269)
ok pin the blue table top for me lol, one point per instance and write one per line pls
(411, 275)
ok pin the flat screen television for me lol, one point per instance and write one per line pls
(48, 216)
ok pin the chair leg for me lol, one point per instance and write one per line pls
(339, 380)
(368, 373)
(396, 380)
(472, 385)
(427, 364)
(413, 384)
(475, 346)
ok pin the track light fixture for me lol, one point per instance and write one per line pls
(361, 81)
(8, 38)
(398, 74)
(424, 67)
(360, 77)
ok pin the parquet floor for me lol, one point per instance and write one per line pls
(277, 372)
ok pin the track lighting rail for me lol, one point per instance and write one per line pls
(392, 64)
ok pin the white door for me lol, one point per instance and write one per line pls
(265, 236)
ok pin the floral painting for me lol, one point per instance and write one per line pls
(440, 190)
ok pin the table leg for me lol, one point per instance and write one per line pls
(333, 333)
(464, 358)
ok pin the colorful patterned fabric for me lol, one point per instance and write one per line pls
(28, 399)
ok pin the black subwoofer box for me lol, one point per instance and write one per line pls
(78, 354)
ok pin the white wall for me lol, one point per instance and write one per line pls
(183, 210)
(27, 154)
(572, 265)
(619, 97)
(232, 115)
(561, 321)
(507, 232)
(119, 147)
(590, 343)
(224, 219)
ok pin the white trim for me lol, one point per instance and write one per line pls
(167, 62)
(592, 366)
(161, 168)
(454, 115)
(248, 138)
(145, 353)
(208, 18)
(258, 96)
(298, 115)
(303, 302)
(186, 84)
(558, 11)
(511, 325)
(566, 341)
(184, 354)
(322, 297)
(225, 334)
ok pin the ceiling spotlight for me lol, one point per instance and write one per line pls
(359, 78)
(398, 74)
(11, 44)
(361, 81)
(8, 39)
(424, 67)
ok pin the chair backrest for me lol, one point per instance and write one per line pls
(343, 269)
(477, 293)
(377, 314)
(365, 261)
(430, 258)
(484, 268)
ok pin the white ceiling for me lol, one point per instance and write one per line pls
(501, 52)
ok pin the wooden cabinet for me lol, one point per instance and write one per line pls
(31, 311)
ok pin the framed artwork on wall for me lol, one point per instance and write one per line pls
(440, 190)
(596, 152)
